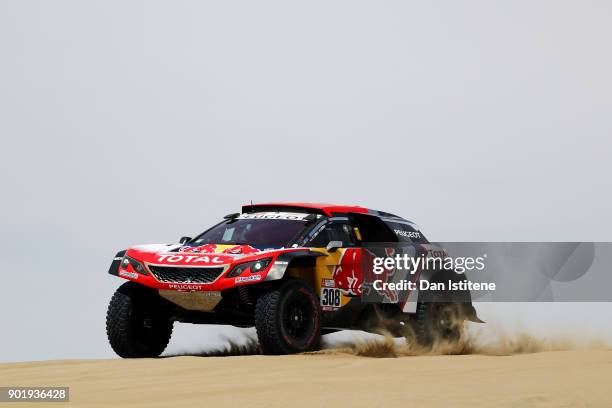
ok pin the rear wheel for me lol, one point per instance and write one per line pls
(386, 317)
(138, 322)
(438, 322)
(288, 319)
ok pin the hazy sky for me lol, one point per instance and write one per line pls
(128, 122)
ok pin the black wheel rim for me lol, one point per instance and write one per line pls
(143, 325)
(297, 318)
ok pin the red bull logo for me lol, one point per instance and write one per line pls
(347, 274)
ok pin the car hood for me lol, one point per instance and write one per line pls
(204, 255)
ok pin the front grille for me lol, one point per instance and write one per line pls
(176, 274)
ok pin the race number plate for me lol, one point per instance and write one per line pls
(330, 299)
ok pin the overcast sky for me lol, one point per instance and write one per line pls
(128, 122)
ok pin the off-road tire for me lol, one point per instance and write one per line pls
(288, 319)
(137, 322)
(438, 321)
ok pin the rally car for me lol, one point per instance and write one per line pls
(292, 270)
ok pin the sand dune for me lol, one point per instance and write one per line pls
(332, 378)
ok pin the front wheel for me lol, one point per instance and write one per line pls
(288, 319)
(137, 322)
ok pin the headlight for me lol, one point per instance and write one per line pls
(260, 265)
(136, 265)
(255, 266)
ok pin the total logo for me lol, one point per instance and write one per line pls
(190, 258)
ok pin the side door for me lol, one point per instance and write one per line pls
(338, 272)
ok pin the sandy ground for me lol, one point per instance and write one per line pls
(558, 378)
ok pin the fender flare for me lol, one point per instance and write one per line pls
(114, 266)
(283, 261)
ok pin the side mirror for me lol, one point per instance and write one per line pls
(184, 240)
(334, 245)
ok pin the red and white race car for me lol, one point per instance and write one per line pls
(292, 270)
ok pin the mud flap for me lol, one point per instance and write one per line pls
(470, 313)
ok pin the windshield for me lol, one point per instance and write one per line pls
(259, 230)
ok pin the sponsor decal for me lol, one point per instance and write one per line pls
(208, 248)
(437, 253)
(408, 234)
(330, 299)
(190, 258)
(273, 216)
(251, 278)
(329, 283)
(241, 249)
(129, 275)
(347, 274)
(211, 293)
(386, 275)
(184, 286)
